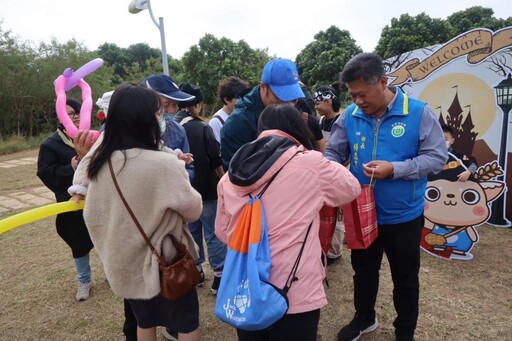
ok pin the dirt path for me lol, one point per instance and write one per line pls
(19, 186)
(459, 300)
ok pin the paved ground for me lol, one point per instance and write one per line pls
(21, 162)
(24, 198)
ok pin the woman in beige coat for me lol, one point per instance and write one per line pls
(156, 187)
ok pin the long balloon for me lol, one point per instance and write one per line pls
(85, 111)
(39, 213)
(65, 82)
(74, 76)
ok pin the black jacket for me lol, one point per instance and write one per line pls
(54, 166)
(55, 171)
(205, 149)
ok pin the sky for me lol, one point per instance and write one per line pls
(284, 27)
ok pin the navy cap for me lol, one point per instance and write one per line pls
(165, 86)
(283, 78)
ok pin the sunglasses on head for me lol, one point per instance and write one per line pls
(324, 95)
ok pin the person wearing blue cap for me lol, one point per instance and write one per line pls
(279, 83)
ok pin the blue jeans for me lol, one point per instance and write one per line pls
(206, 225)
(83, 269)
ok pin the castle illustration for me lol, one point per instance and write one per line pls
(463, 130)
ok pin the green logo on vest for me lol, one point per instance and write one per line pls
(398, 130)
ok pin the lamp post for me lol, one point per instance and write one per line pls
(504, 100)
(136, 6)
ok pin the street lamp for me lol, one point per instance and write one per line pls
(504, 100)
(139, 5)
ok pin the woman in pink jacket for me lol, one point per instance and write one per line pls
(291, 203)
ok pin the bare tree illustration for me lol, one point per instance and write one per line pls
(500, 62)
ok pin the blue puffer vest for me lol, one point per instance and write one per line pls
(396, 139)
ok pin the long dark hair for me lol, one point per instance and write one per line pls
(288, 119)
(130, 123)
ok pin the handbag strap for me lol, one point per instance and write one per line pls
(291, 277)
(151, 247)
(274, 176)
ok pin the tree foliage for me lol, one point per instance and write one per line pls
(135, 62)
(476, 17)
(213, 59)
(27, 96)
(410, 33)
(321, 60)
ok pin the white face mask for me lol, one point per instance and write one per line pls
(162, 126)
(448, 144)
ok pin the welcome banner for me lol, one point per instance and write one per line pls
(477, 45)
(458, 80)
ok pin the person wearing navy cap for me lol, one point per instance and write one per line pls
(172, 134)
(169, 93)
(279, 83)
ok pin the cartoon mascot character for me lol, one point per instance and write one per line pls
(453, 208)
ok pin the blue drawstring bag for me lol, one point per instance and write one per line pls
(246, 299)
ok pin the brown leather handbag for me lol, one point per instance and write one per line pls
(180, 275)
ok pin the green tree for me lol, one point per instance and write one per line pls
(27, 95)
(140, 53)
(476, 17)
(213, 59)
(321, 60)
(117, 58)
(410, 33)
(135, 62)
(16, 58)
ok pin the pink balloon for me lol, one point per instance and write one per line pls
(74, 77)
(85, 110)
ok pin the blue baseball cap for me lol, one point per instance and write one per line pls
(165, 86)
(282, 77)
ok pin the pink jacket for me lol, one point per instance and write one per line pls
(291, 203)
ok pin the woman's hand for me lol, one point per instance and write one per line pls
(76, 198)
(187, 157)
(83, 141)
(74, 162)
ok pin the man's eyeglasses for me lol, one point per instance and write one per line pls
(168, 106)
(73, 114)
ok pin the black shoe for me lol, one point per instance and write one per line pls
(404, 337)
(170, 334)
(331, 261)
(356, 328)
(216, 284)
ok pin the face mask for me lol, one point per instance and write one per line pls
(162, 126)
(448, 144)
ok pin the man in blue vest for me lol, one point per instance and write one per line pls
(399, 140)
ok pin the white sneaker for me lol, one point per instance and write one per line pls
(83, 291)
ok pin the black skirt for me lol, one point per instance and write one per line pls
(71, 228)
(181, 315)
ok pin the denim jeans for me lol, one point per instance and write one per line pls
(83, 269)
(206, 225)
